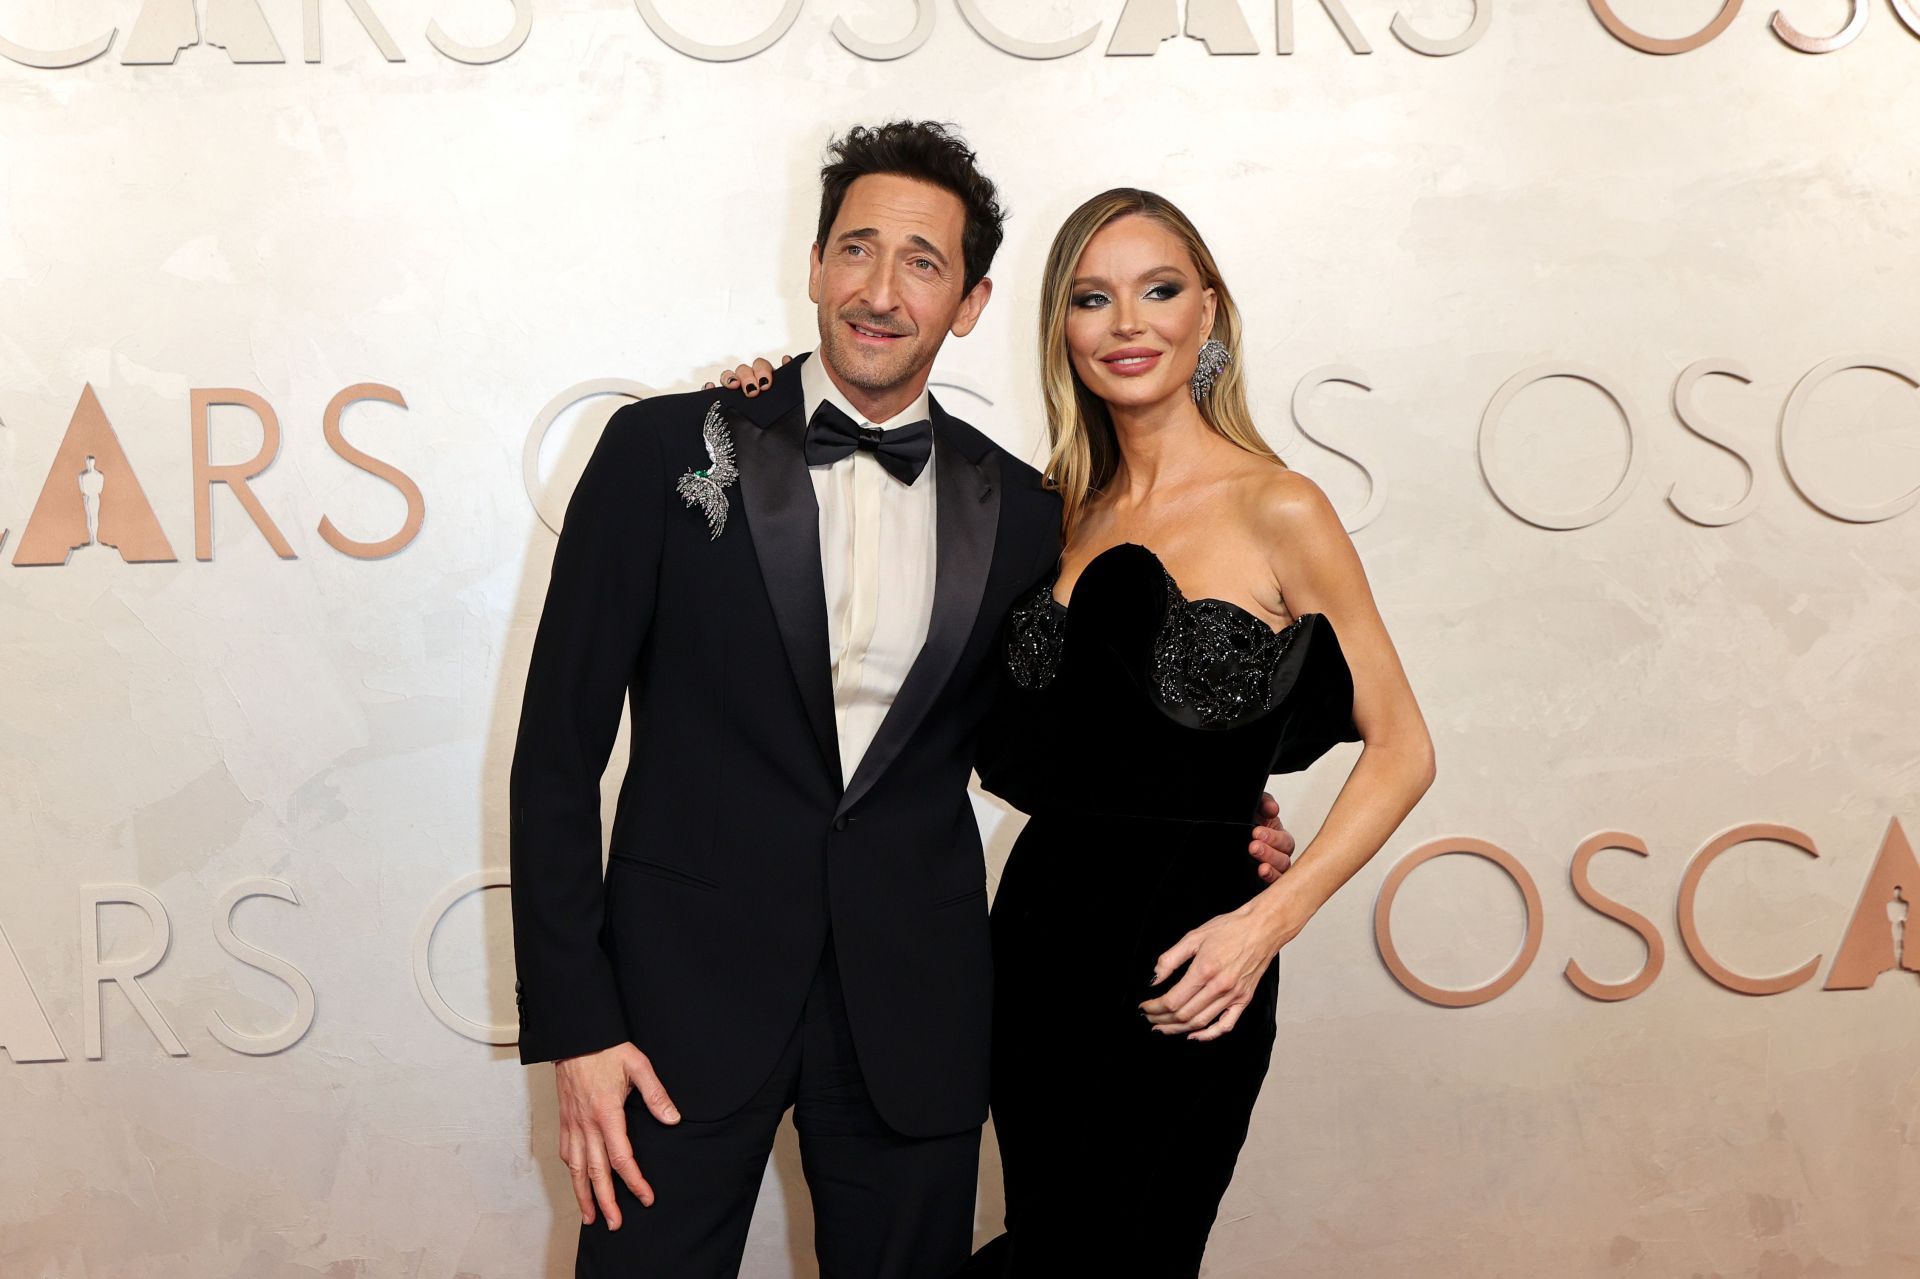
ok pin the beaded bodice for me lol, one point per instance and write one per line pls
(1211, 658)
(1187, 687)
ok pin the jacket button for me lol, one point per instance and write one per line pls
(839, 823)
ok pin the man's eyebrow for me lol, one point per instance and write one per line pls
(929, 246)
(873, 233)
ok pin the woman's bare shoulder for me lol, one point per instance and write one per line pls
(1284, 503)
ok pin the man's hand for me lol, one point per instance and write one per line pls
(751, 378)
(1272, 842)
(593, 1124)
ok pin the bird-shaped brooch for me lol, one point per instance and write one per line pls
(703, 489)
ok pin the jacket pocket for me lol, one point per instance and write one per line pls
(672, 874)
(972, 894)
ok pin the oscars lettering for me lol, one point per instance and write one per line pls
(1792, 439)
(28, 1035)
(162, 29)
(92, 497)
(1875, 942)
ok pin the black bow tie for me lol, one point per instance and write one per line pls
(903, 450)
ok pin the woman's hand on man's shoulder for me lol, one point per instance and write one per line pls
(749, 379)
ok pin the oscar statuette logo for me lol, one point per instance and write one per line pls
(92, 497)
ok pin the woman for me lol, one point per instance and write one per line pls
(1209, 625)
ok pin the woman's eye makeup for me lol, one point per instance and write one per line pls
(1163, 292)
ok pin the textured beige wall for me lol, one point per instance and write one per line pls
(597, 206)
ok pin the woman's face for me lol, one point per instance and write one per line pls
(1136, 313)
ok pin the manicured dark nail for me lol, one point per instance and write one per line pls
(766, 381)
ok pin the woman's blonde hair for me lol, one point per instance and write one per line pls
(1085, 453)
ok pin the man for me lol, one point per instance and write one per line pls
(798, 593)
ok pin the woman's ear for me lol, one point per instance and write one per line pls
(1207, 314)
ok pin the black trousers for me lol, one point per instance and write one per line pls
(885, 1206)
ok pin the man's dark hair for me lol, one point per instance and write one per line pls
(926, 151)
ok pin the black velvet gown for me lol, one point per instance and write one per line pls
(1137, 729)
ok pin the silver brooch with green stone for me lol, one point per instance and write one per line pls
(702, 489)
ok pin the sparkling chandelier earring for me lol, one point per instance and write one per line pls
(1213, 358)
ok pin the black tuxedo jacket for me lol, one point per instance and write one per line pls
(736, 843)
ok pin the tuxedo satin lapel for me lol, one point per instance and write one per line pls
(784, 522)
(966, 519)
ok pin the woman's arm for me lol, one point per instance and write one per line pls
(1317, 570)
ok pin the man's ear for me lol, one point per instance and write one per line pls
(971, 306)
(813, 275)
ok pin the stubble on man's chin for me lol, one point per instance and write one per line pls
(875, 377)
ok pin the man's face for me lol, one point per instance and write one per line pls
(888, 280)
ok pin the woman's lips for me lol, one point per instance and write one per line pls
(1131, 361)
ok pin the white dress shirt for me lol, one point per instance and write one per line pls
(878, 556)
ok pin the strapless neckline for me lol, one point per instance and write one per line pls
(1205, 663)
(1173, 586)
(1172, 707)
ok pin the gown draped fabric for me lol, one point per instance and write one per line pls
(1137, 729)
